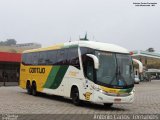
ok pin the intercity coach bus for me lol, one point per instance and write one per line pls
(81, 70)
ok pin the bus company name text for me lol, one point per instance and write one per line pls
(37, 70)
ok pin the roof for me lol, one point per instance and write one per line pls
(19, 48)
(146, 54)
(89, 44)
(153, 70)
(10, 57)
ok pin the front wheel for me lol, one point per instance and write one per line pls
(108, 105)
(75, 96)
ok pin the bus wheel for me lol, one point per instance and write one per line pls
(34, 89)
(29, 88)
(108, 105)
(75, 96)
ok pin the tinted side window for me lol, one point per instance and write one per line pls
(35, 57)
(89, 69)
(85, 50)
(73, 58)
(51, 57)
(85, 59)
(28, 59)
(42, 58)
(60, 56)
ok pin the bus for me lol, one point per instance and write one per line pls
(81, 70)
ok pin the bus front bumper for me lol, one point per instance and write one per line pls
(100, 97)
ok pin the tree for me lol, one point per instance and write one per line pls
(11, 42)
(150, 50)
(1, 43)
(8, 42)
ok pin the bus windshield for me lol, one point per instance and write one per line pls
(115, 70)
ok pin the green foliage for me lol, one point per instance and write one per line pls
(8, 42)
(150, 50)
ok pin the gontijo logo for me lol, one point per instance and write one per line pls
(36, 70)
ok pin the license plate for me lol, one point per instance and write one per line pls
(117, 100)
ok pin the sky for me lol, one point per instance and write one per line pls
(54, 21)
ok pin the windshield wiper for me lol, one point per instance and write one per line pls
(115, 77)
(116, 73)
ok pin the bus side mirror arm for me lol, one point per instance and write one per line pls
(95, 59)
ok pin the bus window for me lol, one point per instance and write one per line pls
(85, 51)
(28, 59)
(42, 58)
(35, 57)
(24, 58)
(62, 57)
(73, 58)
(51, 57)
(90, 70)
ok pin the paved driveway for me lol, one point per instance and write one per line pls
(15, 100)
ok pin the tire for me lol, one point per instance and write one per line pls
(34, 89)
(75, 96)
(108, 105)
(29, 88)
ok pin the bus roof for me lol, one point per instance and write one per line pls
(89, 44)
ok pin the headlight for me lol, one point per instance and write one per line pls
(96, 87)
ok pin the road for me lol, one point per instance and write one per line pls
(14, 100)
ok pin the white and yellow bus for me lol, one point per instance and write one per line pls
(81, 70)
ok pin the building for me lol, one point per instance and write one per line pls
(149, 59)
(10, 58)
(19, 48)
(27, 46)
(9, 68)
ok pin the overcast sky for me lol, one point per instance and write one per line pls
(51, 21)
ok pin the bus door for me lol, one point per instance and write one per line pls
(89, 78)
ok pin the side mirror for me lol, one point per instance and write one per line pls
(95, 59)
(140, 65)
